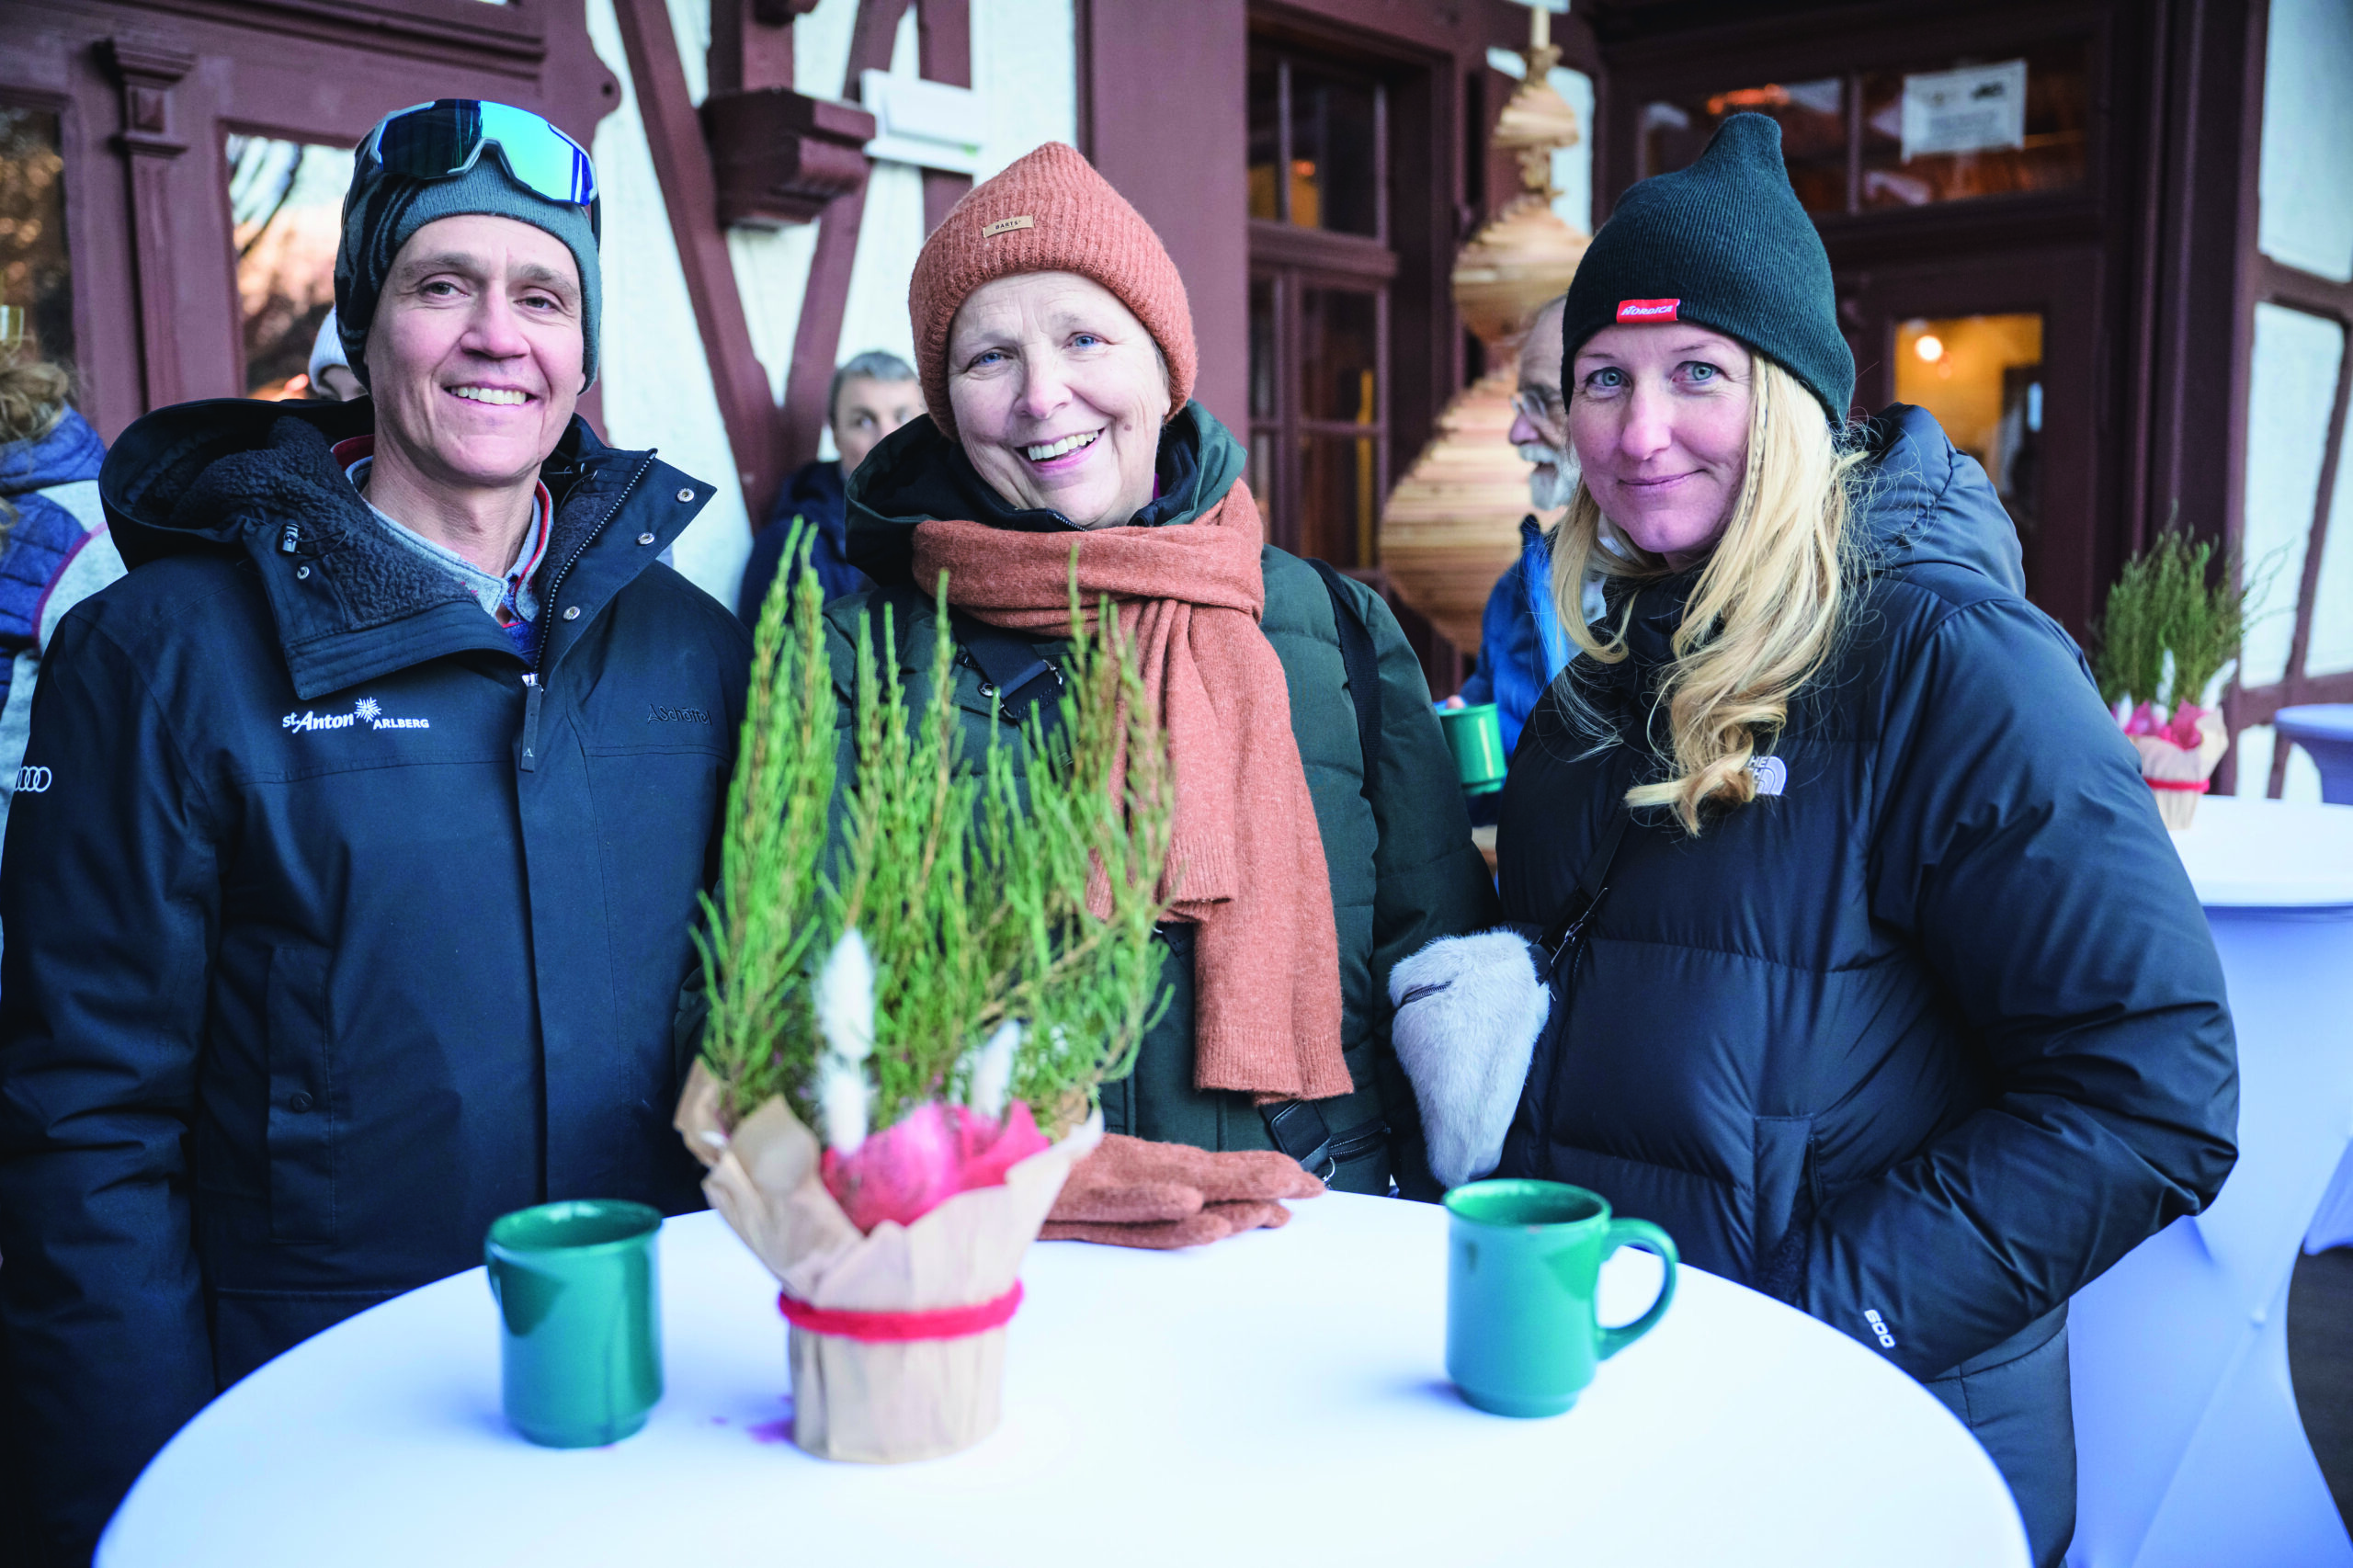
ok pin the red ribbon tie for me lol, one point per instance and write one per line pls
(2198, 786)
(898, 1328)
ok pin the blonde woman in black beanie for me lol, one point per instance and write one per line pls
(1851, 949)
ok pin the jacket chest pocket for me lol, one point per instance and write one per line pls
(301, 1128)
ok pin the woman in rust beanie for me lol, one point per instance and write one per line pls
(1056, 351)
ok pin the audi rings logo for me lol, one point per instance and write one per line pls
(34, 781)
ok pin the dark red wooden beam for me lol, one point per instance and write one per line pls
(944, 34)
(818, 341)
(682, 163)
(746, 51)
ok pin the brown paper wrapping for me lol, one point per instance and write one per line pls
(2160, 758)
(878, 1404)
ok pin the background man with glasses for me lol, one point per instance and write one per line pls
(1521, 645)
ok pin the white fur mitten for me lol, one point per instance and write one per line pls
(1469, 1010)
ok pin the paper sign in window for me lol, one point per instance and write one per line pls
(1976, 109)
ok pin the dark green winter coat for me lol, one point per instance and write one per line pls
(1402, 866)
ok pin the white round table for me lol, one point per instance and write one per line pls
(2189, 1449)
(1277, 1398)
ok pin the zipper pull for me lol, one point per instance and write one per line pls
(532, 692)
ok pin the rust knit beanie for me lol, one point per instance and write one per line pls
(1047, 212)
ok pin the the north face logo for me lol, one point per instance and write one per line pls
(1648, 310)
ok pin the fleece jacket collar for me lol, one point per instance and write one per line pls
(232, 476)
(916, 475)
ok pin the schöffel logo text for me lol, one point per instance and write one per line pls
(1648, 310)
(34, 781)
(656, 714)
(367, 711)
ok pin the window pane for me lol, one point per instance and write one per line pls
(1266, 150)
(1959, 150)
(1264, 365)
(1813, 133)
(1982, 377)
(1332, 153)
(36, 276)
(286, 201)
(1338, 494)
(1339, 350)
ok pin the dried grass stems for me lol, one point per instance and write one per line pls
(984, 893)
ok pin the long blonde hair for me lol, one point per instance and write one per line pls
(1764, 614)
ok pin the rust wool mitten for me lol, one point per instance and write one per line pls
(1133, 1192)
(1210, 1222)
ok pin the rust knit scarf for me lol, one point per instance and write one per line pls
(1245, 853)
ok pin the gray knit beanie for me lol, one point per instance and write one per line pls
(380, 211)
(1724, 245)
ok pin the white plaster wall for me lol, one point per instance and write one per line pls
(1025, 67)
(2255, 748)
(2306, 184)
(2332, 645)
(656, 381)
(2293, 382)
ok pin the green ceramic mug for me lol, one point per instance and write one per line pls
(1475, 736)
(580, 1318)
(1523, 1260)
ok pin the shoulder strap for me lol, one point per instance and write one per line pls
(1361, 662)
(1562, 934)
(1297, 1127)
(1012, 671)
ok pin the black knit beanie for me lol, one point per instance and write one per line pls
(1724, 245)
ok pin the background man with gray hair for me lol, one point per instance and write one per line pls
(872, 394)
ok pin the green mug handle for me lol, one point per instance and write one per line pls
(1639, 1234)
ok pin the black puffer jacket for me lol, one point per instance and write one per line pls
(1924, 1042)
(313, 969)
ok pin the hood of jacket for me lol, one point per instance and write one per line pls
(71, 452)
(1921, 502)
(1926, 502)
(241, 478)
(916, 475)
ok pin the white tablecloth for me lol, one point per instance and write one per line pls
(1278, 1399)
(2190, 1453)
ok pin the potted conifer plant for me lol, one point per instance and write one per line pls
(914, 992)
(2167, 642)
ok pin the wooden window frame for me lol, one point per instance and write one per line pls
(1290, 258)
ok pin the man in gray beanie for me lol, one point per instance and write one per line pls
(383, 790)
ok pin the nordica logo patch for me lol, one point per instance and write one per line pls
(1648, 310)
(367, 712)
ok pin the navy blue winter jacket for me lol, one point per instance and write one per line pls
(327, 945)
(813, 494)
(1930, 1038)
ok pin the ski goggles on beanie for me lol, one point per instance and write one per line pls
(449, 136)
